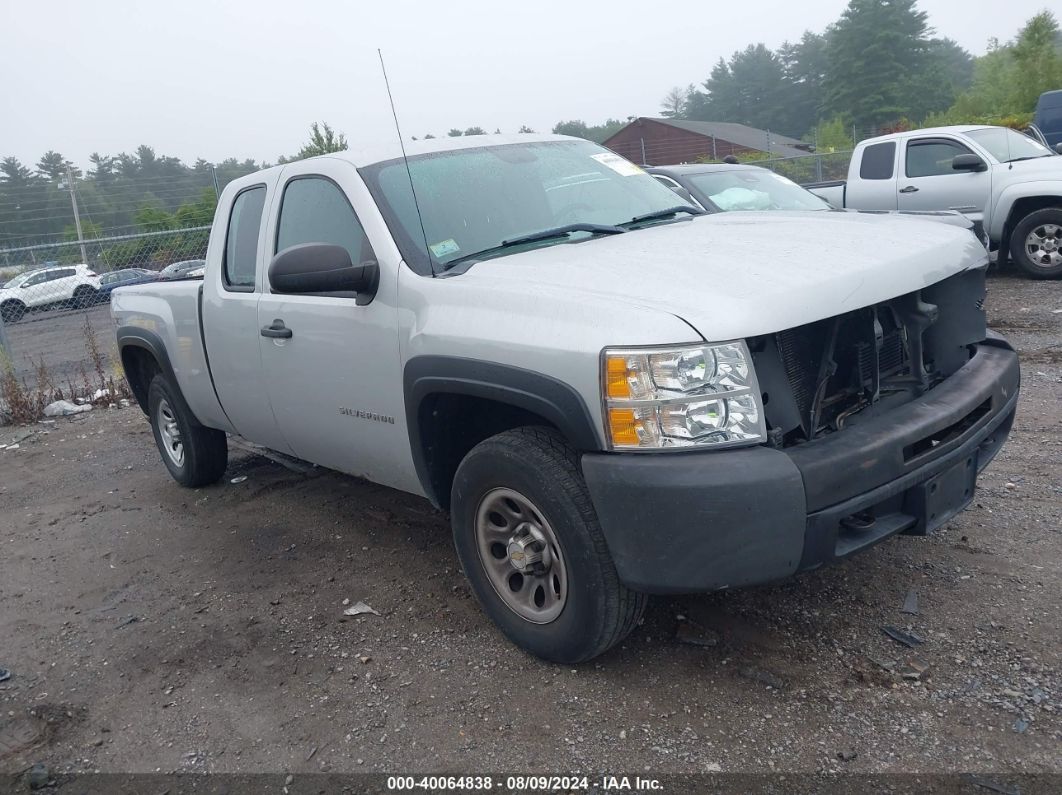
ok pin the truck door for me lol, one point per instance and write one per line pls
(231, 292)
(928, 182)
(875, 187)
(334, 376)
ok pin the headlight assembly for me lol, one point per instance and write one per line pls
(681, 397)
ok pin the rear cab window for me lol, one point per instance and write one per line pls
(241, 240)
(878, 161)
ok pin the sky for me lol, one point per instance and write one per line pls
(245, 78)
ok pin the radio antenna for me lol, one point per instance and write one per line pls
(405, 160)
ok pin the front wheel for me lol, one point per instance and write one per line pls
(531, 546)
(196, 456)
(12, 311)
(1036, 243)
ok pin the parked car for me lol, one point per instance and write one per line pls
(64, 285)
(1048, 118)
(612, 393)
(724, 187)
(1007, 183)
(182, 270)
(124, 277)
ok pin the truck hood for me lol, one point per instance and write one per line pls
(1036, 169)
(738, 274)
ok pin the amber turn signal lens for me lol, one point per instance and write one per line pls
(623, 426)
(617, 375)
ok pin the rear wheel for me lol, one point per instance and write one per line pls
(85, 296)
(1036, 244)
(196, 456)
(531, 546)
(12, 311)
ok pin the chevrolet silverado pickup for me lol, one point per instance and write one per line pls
(1008, 184)
(611, 393)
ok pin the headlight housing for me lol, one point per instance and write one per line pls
(681, 397)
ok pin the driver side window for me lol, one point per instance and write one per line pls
(932, 157)
(315, 210)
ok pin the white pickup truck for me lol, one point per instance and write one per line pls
(1006, 183)
(612, 394)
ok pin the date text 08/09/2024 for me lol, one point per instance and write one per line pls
(524, 783)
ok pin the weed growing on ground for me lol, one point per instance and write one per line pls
(22, 404)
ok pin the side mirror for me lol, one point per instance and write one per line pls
(684, 193)
(1058, 147)
(321, 269)
(968, 163)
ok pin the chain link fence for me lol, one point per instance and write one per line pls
(809, 168)
(56, 335)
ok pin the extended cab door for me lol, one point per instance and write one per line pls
(872, 177)
(231, 291)
(928, 182)
(334, 377)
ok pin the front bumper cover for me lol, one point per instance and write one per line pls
(688, 522)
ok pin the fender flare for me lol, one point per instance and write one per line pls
(134, 337)
(549, 398)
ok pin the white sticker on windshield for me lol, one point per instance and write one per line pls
(445, 248)
(618, 164)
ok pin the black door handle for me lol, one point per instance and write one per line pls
(909, 189)
(277, 330)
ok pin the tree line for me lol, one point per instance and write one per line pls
(878, 67)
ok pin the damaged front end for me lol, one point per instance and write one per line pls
(819, 378)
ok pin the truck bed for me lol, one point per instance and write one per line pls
(834, 191)
(165, 318)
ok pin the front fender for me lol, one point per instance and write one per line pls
(1001, 209)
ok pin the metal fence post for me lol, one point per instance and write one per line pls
(5, 346)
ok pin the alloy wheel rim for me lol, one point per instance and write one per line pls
(521, 556)
(1044, 245)
(170, 431)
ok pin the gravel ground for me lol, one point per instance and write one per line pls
(58, 337)
(150, 628)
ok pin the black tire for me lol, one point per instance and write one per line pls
(85, 297)
(598, 611)
(12, 311)
(204, 451)
(1019, 252)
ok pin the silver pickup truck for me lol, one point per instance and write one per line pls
(612, 394)
(1008, 184)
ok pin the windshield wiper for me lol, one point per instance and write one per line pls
(1028, 157)
(553, 233)
(665, 213)
(563, 231)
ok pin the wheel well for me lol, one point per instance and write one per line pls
(452, 424)
(1022, 207)
(140, 366)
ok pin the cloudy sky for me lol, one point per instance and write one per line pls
(245, 78)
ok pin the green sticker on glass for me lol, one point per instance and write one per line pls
(444, 248)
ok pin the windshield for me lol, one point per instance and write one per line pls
(472, 200)
(17, 281)
(754, 189)
(1006, 145)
